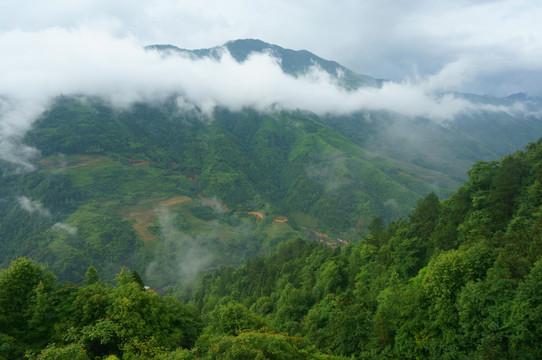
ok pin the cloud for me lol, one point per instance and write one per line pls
(384, 38)
(33, 206)
(37, 66)
(72, 230)
(329, 171)
(180, 256)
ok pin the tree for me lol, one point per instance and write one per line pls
(232, 319)
(526, 317)
(91, 276)
(23, 286)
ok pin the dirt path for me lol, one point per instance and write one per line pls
(175, 200)
(257, 213)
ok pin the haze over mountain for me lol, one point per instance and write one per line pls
(355, 179)
(302, 143)
(96, 64)
(294, 62)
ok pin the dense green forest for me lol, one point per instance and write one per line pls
(459, 278)
(137, 186)
(117, 187)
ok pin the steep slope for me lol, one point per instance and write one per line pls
(461, 278)
(498, 127)
(122, 186)
(174, 191)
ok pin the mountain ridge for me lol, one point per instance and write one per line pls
(104, 170)
(293, 62)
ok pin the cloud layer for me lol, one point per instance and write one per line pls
(499, 41)
(37, 66)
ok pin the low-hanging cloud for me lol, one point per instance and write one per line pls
(180, 257)
(33, 206)
(72, 230)
(38, 66)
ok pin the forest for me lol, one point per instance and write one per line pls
(455, 279)
(110, 184)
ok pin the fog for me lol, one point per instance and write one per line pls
(37, 66)
(33, 206)
(181, 256)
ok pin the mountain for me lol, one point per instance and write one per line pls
(294, 62)
(115, 187)
(171, 191)
(449, 147)
(459, 278)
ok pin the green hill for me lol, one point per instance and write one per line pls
(235, 185)
(460, 278)
(172, 192)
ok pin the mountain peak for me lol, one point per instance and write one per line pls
(293, 62)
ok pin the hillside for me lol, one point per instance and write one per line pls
(129, 182)
(171, 190)
(448, 146)
(460, 278)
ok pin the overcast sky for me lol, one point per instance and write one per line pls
(95, 47)
(491, 47)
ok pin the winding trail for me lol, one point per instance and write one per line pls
(257, 213)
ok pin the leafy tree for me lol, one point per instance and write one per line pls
(25, 289)
(91, 276)
(526, 317)
(232, 319)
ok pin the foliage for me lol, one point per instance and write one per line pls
(457, 278)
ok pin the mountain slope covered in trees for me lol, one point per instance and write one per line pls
(118, 187)
(155, 184)
(459, 278)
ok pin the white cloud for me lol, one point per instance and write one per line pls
(72, 230)
(384, 38)
(36, 66)
(32, 206)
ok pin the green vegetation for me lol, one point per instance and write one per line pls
(108, 179)
(460, 278)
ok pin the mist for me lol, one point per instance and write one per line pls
(181, 257)
(33, 206)
(38, 66)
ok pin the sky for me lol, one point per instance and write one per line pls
(61, 47)
(487, 47)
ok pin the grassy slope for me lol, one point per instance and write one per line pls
(124, 164)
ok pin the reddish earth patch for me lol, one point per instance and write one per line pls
(282, 220)
(258, 214)
(142, 221)
(175, 200)
(144, 214)
(194, 179)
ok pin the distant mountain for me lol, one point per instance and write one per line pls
(155, 185)
(172, 191)
(294, 62)
(448, 147)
